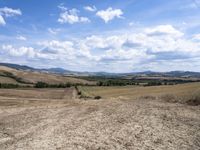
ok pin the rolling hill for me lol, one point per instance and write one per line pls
(30, 77)
(182, 74)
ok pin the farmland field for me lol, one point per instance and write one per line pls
(8, 80)
(125, 118)
(137, 91)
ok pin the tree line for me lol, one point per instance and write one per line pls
(8, 85)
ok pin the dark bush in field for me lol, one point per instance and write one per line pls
(46, 85)
(153, 83)
(41, 85)
(149, 97)
(115, 82)
(97, 97)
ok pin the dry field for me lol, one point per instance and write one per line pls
(34, 77)
(126, 118)
(8, 80)
(130, 92)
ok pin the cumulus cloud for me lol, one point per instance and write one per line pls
(196, 37)
(141, 47)
(8, 12)
(71, 16)
(22, 38)
(90, 8)
(118, 52)
(164, 30)
(18, 52)
(109, 14)
(57, 46)
(2, 21)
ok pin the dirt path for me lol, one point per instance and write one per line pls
(104, 124)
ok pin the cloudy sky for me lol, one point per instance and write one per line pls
(94, 35)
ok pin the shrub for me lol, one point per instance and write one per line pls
(97, 97)
(154, 83)
(169, 98)
(41, 85)
(79, 92)
(194, 99)
(46, 85)
(8, 85)
(150, 97)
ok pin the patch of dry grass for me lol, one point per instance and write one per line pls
(133, 92)
(36, 93)
(187, 98)
(7, 80)
(34, 77)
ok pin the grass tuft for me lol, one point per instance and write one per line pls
(192, 99)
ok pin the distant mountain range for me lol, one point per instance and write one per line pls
(69, 72)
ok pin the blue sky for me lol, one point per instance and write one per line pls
(91, 35)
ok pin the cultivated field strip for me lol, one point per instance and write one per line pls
(137, 91)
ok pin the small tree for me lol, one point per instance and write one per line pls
(41, 85)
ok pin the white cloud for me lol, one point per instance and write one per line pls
(71, 17)
(53, 31)
(58, 46)
(196, 37)
(18, 52)
(135, 24)
(131, 23)
(2, 21)
(194, 4)
(109, 14)
(164, 30)
(67, 50)
(62, 7)
(90, 8)
(84, 19)
(22, 38)
(117, 52)
(125, 46)
(8, 12)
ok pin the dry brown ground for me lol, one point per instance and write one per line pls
(65, 122)
(34, 77)
(132, 92)
(8, 80)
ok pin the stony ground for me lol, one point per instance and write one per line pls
(71, 123)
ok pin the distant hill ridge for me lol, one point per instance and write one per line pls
(67, 72)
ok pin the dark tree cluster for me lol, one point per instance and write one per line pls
(46, 85)
(153, 83)
(115, 83)
(8, 86)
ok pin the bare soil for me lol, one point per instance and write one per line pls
(65, 122)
